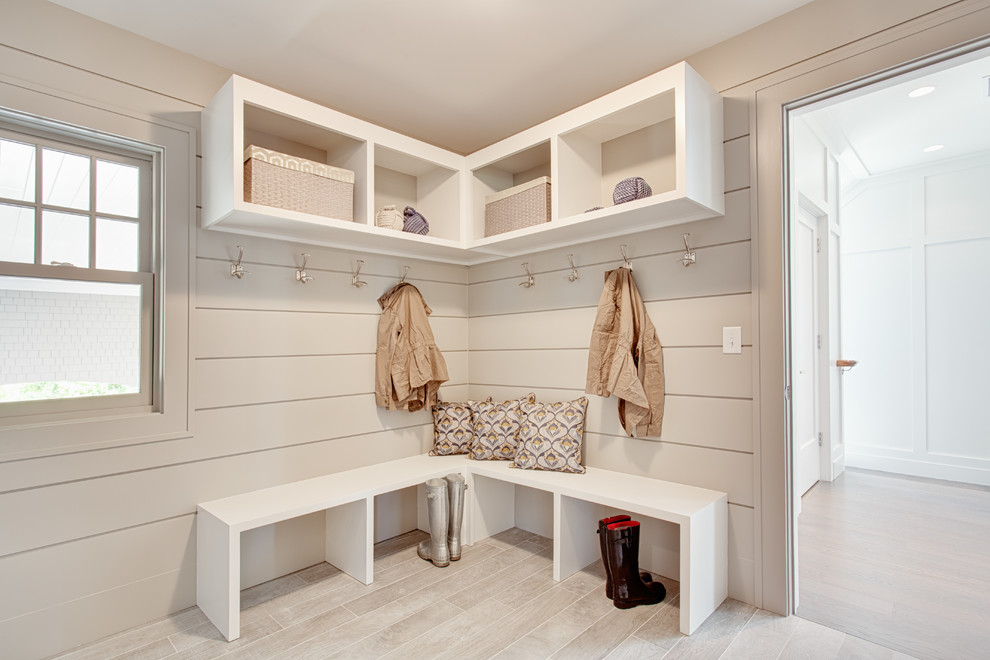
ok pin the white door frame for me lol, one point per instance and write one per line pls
(895, 51)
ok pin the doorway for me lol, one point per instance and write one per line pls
(889, 234)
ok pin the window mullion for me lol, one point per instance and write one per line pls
(92, 211)
(38, 187)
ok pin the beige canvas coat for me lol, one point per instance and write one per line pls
(408, 365)
(625, 357)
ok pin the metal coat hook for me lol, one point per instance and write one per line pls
(529, 277)
(301, 275)
(689, 256)
(356, 277)
(625, 260)
(236, 269)
(574, 271)
(405, 271)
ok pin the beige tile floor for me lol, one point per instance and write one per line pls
(499, 601)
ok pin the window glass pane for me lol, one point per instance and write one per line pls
(17, 170)
(116, 244)
(16, 233)
(66, 179)
(116, 188)
(65, 238)
(67, 338)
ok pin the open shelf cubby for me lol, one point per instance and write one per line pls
(278, 132)
(433, 190)
(512, 170)
(636, 141)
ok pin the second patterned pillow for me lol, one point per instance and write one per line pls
(496, 429)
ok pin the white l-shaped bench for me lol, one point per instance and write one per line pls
(348, 500)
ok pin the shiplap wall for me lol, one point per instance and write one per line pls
(536, 339)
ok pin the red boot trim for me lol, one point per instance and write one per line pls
(614, 519)
(622, 525)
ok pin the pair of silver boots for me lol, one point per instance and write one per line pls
(445, 509)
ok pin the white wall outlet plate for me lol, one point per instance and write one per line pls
(732, 339)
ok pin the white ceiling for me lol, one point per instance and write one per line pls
(885, 130)
(458, 73)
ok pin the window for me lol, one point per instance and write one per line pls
(77, 274)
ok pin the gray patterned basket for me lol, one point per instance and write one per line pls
(296, 184)
(517, 207)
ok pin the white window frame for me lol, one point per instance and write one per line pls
(173, 145)
(147, 159)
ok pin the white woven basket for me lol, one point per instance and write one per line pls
(296, 184)
(517, 207)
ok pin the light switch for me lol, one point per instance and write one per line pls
(732, 339)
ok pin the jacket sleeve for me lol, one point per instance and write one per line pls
(388, 331)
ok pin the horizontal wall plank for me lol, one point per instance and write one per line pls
(45, 632)
(44, 578)
(94, 506)
(701, 371)
(735, 113)
(727, 471)
(274, 288)
(245, 381)
(733, 227)
(721, 270)
(249, 333)
(698, 421)
(737, 164)
(687, 322)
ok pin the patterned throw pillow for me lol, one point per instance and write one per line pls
(496, 429)
(453, 428)
(550, 436)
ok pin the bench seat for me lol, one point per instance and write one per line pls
(579, 500)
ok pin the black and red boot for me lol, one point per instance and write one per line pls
(602, 524)
(622, 549)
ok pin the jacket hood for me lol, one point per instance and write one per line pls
(391, 297)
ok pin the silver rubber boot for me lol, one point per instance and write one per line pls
(437, 509)
(455, 490)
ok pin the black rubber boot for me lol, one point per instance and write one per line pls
(628, 588)
(602, 524)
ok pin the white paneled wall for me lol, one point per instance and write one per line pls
(536, 339)
(914, 265)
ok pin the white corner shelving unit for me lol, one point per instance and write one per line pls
(666, 128)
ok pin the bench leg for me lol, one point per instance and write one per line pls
(218, 574)
(704, 565)
(575, 544)
(349, 539)
(493, 506)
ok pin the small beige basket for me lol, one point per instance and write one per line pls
(296, 184)
(521, 206)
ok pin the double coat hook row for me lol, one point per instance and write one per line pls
(237, 268)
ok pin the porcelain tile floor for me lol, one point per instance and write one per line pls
(901, 561)
(498, 601)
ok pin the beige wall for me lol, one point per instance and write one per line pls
(101, 541)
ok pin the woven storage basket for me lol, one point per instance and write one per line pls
(296, 184)
(517, 207)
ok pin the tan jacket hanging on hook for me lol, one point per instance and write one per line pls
(409, 367)
(625, 357)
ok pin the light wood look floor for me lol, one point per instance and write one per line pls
(498, 601)
(900, 561)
